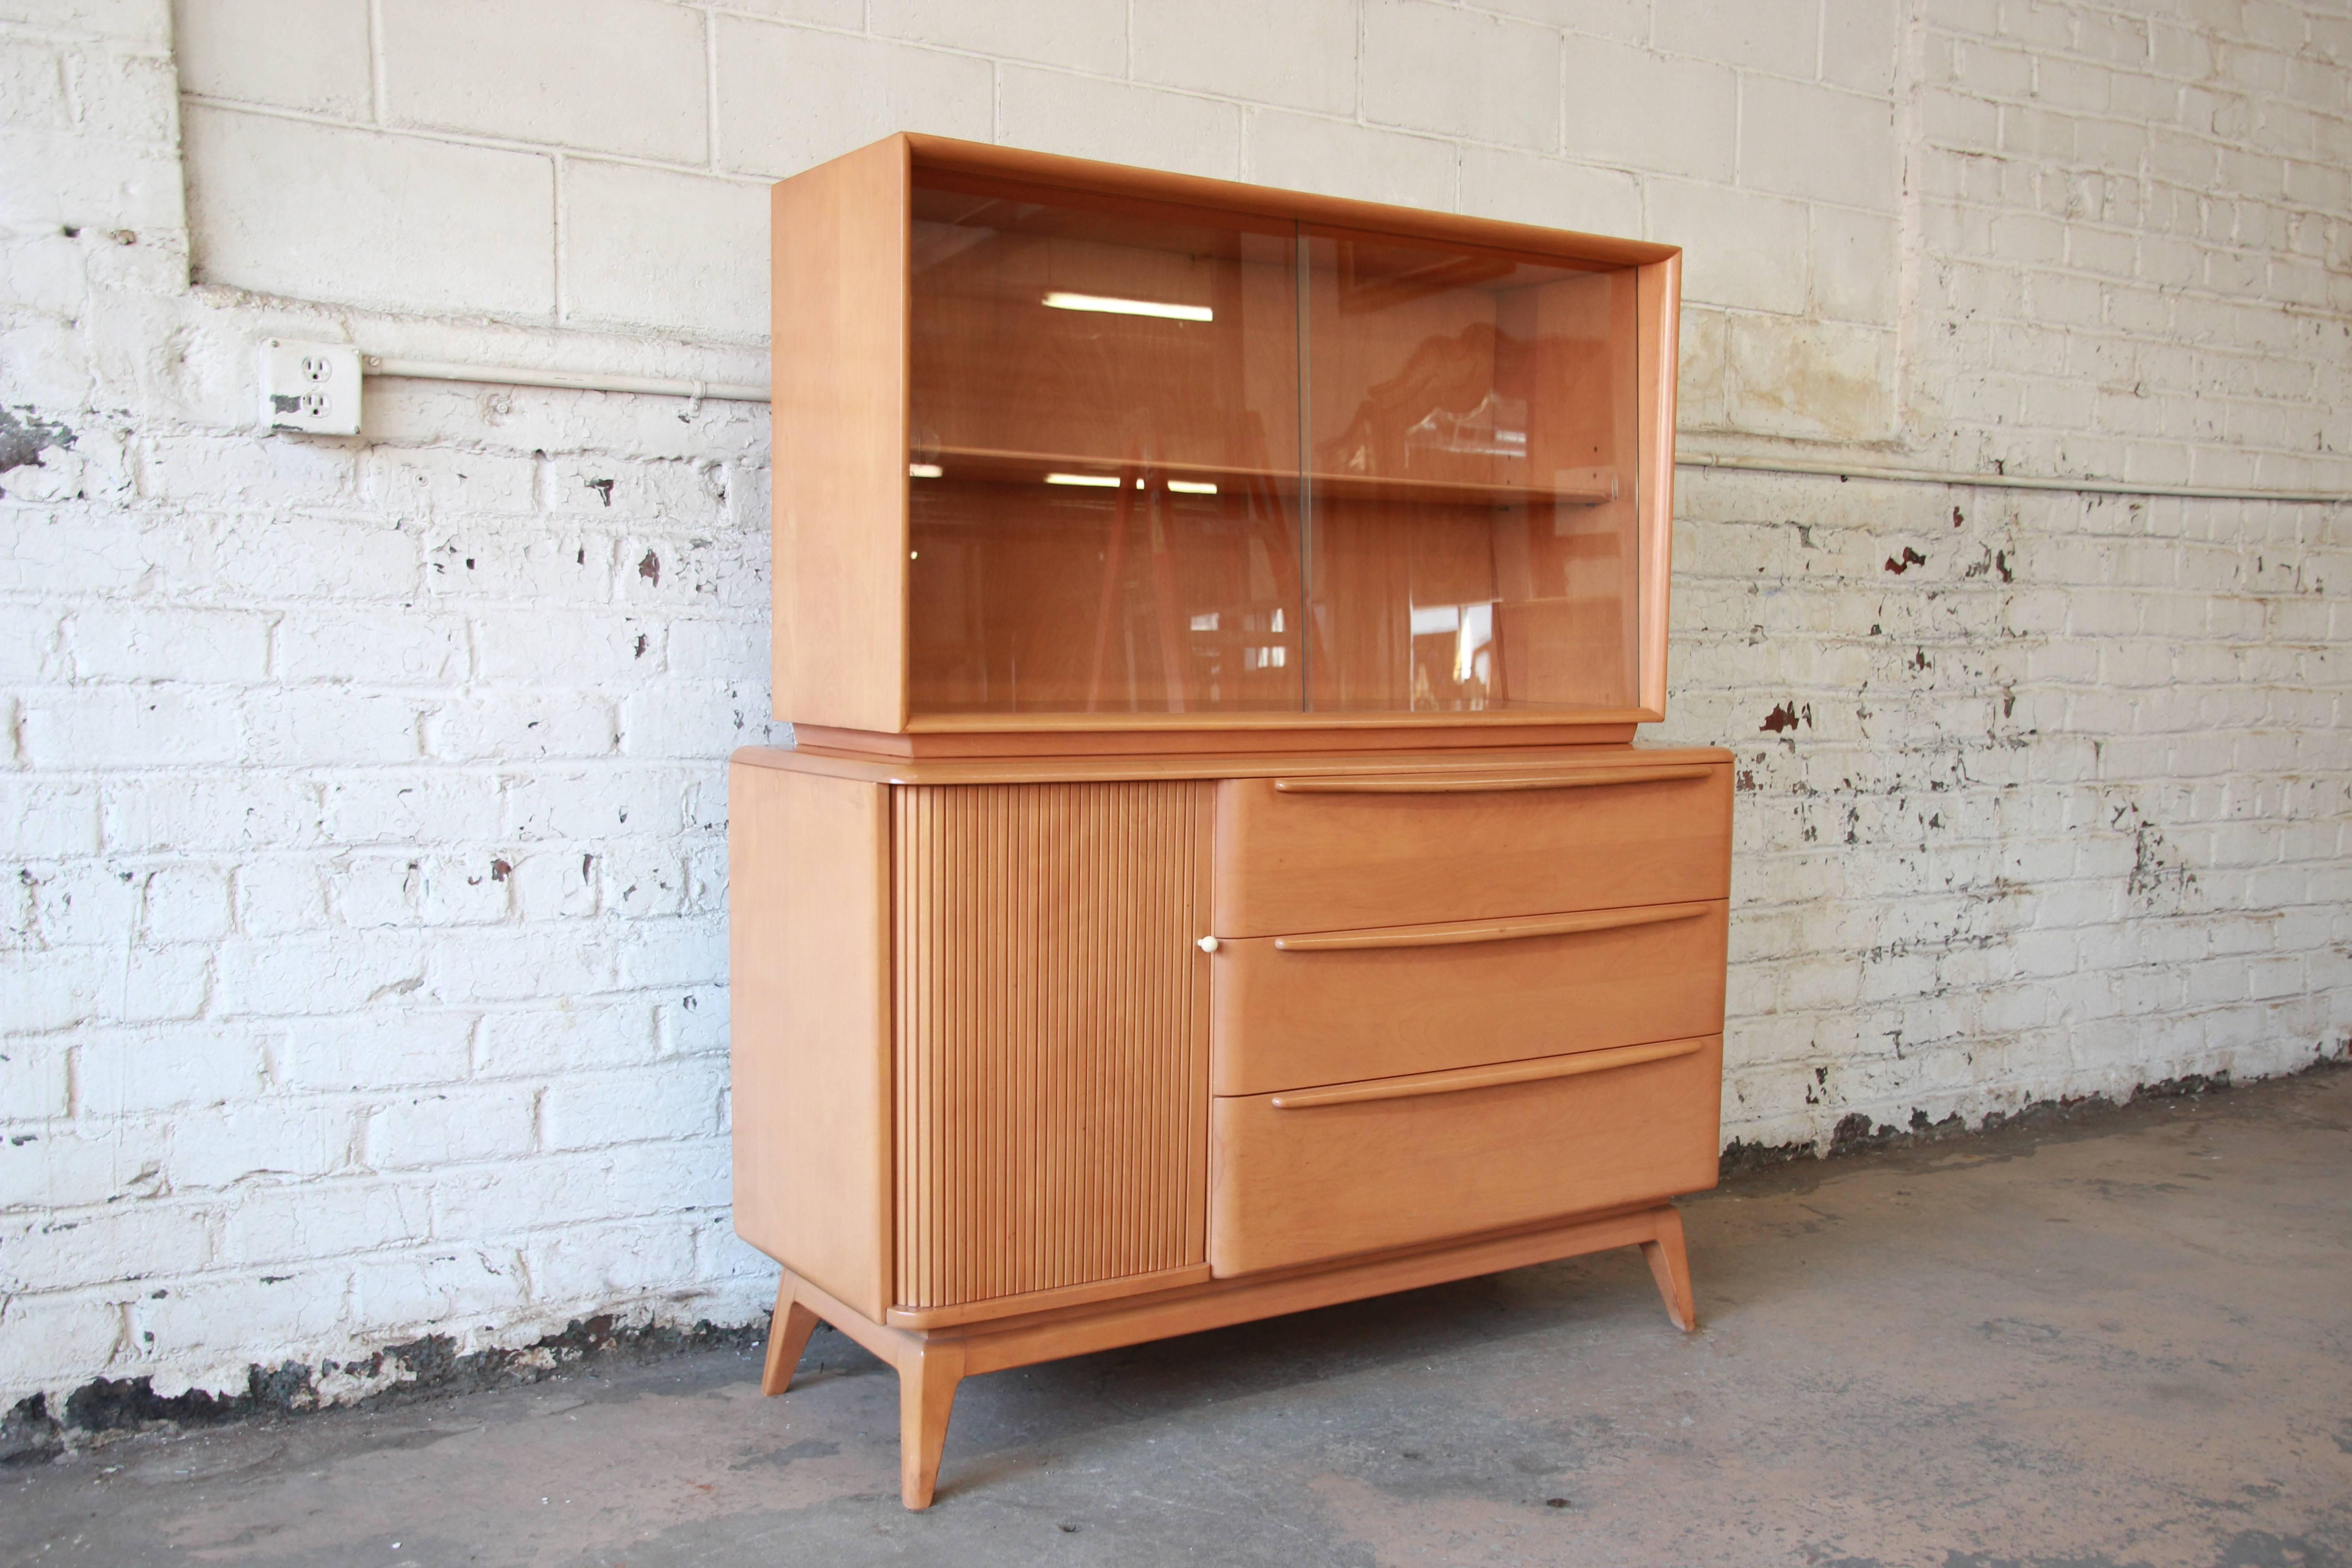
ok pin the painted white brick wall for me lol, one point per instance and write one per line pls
(361, 809)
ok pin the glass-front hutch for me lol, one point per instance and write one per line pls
(1175, 462)
(1213, 876)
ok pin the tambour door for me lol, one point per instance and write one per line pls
(1050, 1042)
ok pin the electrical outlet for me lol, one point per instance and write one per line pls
(310, 387)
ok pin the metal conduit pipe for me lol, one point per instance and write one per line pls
(564, 380)
(744, 392)
(2005, 481)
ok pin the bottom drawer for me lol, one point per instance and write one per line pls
(1302, 1176)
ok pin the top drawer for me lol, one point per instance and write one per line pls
(1343, 851)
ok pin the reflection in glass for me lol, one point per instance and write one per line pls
(1472, 503)
(1104, 462)
(1106, 466)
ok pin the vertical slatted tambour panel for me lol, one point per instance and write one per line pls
(1052, 1035)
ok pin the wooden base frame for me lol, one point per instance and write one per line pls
(931, 1363)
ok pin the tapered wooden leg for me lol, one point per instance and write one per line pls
(788, 1336)
(927, 1388)
(1669, 1267)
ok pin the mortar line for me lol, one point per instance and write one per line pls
(375, 62)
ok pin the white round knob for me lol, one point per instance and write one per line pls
(1208, 944)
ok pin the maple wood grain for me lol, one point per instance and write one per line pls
(1293, 1012)
(838, 342)
(1373, 849)
(809, 981)
(1296, 1186)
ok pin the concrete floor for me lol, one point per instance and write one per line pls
(2123, 1340)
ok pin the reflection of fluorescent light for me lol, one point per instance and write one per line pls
(1473, 627)
(924, 470)
(1106, 481)
(1112, 306)
(1470, 649)
(1207, 622)
(1192, 487)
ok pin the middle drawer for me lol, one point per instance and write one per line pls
(1293, 1012)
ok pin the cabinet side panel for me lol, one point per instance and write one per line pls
(808, 921)
(839, 351)
(1052, 1037)
(1659, 301)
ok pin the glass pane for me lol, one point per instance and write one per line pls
(1104, 463)
(1471, 519)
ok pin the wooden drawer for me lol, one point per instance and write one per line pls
(1336, 1006)
(1343, 852)
(1320, 1173)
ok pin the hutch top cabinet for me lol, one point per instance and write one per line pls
(1073, 457)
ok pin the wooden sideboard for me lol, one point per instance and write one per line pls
(1215, 878)
(1028, 1065)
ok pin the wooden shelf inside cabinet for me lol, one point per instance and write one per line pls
(1590, 487)
(984, 465)
(1216, 878)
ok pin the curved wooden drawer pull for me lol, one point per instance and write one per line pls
(1481, 783)
(1454, 1082)
(1456, 931)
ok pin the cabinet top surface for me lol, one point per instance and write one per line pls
(1501, 763)
(948, 154)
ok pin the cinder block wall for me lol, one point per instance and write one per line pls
(361, 804)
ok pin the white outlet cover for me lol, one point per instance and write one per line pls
(310, 387)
